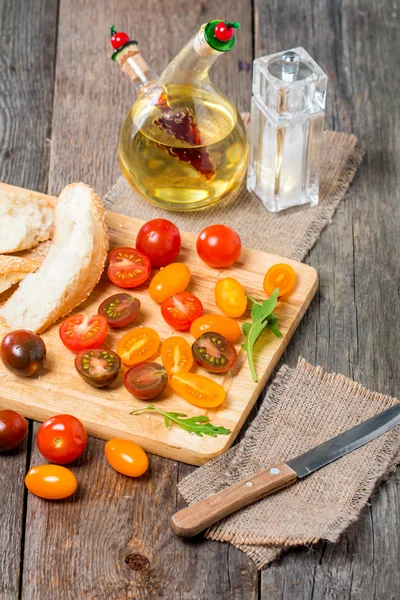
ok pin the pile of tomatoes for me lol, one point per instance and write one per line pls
(63, 438)
(158, 244)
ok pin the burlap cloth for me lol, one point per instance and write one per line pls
(291, 233)
(303, 407)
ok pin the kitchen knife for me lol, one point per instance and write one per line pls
(198, 516)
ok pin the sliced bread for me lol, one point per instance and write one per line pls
(26, 219)
(13, 269)
(72, 267)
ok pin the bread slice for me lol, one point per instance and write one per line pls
(26, 219)
(72, 267)
(13, 269)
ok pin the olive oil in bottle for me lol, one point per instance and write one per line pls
(183, 145)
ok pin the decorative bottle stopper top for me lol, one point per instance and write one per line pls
(290, 65)
(220, 35)
(127, 54)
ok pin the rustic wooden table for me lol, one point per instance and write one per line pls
(62, 102)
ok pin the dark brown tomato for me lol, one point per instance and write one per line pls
(13, 429)
(214, 353)
(146, 380)
(120, 309)
(23, 352)
(99, 366)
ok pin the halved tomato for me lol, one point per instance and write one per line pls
(127, 267)
(280, 276)
(80, 332)
(176, 355)
(98, 367)
(138, 345)
(181, 310)
(214, 353)
(120, 309)
(146, 381)
(198, 390)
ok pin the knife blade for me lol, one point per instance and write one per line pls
(198, 516)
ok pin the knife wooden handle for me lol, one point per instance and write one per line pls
(198, 516)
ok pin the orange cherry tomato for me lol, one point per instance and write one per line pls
(126, 457)
(217, 324)
(230, 297)
(280, 276)
(138, 345)
(168, 281)
(198, 390)
(51, 482)
(176, 355)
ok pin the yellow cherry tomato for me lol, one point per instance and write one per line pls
(138, 345)
(230, 297)
(51, 482)
(198, 390)
(280, 276)
(216, 324)
(168, 281)
(126, 457)
(176, 355)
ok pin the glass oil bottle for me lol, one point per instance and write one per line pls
(183, 145)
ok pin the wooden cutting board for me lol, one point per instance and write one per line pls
(106, 412)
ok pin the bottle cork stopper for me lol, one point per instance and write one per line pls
(133, 64)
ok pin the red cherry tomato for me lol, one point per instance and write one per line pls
(119, 39)
(160, 240)
(218, 246)
(127, 267)
(181, 310)
(80, 332)
(62, 439)
(13, 429)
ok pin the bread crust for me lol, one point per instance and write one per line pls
(13, 269)
(88, 273)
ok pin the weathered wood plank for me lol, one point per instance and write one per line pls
(352, 326)
(113, 540)
(27, 48)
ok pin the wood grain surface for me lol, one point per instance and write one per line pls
(114, 542)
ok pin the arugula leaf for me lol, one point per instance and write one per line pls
(263, 316)
(199, 425)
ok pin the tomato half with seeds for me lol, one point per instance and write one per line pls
(98, 367)
(176, 355)
(62, 439)
(51, 482)
(281, 276)
(198, 390)
(170, 280)
(120, 310)
(230, 297)
(127, 267)
(181, 310)
(138, 345)
(214, 353)
(146, 381)
(126, 457)
(80, 332)
(219, 324)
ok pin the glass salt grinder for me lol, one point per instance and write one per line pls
(287, 119)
